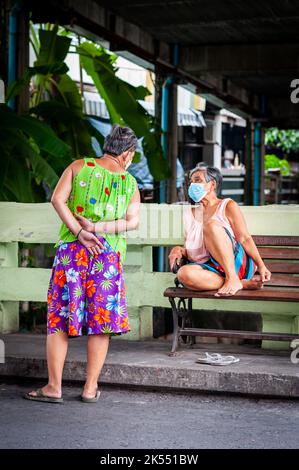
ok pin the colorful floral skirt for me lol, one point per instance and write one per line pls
(87, 290)
(244, 264)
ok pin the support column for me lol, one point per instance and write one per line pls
(165, 131)
(159, 79)
(169, 126)
(257, 164)
(213, 141)
(4, 13)
(217, 147)
(262, 193)
(248, 192)
(22, 62)
(172, 142)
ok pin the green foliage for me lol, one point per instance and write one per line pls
(123, 106)
(272, 161)
(23, 141)
(284, 167)
(37, 147)
(285, 139)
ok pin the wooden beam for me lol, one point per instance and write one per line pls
(100, 23)
(239, 60)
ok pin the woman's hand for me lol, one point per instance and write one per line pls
(176, 255)
(85, 223)
(264, 273)
(91, 242)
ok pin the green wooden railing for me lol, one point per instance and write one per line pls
(161, 225)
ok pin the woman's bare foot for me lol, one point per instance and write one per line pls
(253, 284)
(49, 391)
(230, 287)
(89, 392)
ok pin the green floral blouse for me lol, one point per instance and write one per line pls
(100, 194)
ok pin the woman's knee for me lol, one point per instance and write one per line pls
(189, 275)
(212, 226)
(183, 275)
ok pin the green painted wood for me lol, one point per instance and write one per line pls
(9, 310)
(160, 225)
(143, 289)
(279, 324)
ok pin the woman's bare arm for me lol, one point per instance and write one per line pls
(239, 226)
(178, 252)
(130, 222)
(59, 200)
(60, 197)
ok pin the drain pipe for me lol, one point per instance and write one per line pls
(257, 164)
(164, 141)
(165, 128)
(12, 46)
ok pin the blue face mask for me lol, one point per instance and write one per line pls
(197, 191)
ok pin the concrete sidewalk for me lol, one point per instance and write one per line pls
(147, 364)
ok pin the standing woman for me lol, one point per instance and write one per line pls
(97, 201)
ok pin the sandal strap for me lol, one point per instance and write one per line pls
(216, 357)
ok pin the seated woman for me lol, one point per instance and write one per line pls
(220, 253)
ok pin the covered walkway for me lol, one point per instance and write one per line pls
(239, 55)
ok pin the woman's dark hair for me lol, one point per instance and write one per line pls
(211, 174)
(119, 140)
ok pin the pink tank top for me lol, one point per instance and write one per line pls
(193, 230)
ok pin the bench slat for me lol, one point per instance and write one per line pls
(237, 334)
(267, 293)
(283, 280)
(279, 267)
(268, 240)
(279, 253)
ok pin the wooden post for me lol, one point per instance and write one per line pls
(257, 158)
(23, 58)
(248, 165)
(172, 143)
(138, 262)
(159, 78)
(4, 12)
(262, 172)
(9, 310)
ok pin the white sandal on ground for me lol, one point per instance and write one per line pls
(216, 359)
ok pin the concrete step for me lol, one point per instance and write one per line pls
(147, 364)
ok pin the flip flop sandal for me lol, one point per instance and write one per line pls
(40, 396)
(216, 359)
(91, 400)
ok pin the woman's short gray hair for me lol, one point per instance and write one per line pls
(211, 174)
(119, 140)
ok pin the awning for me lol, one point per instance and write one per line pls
(95, 106)
(186, 116)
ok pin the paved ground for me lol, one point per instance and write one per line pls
(126, 419)
(147, 364)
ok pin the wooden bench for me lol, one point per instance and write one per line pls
(282, 258)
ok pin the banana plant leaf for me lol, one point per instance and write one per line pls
(17, 186)
(20, 164)
(53, 47)
(42, 134)
(64, 113)
(51, 50)
(123, 106)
